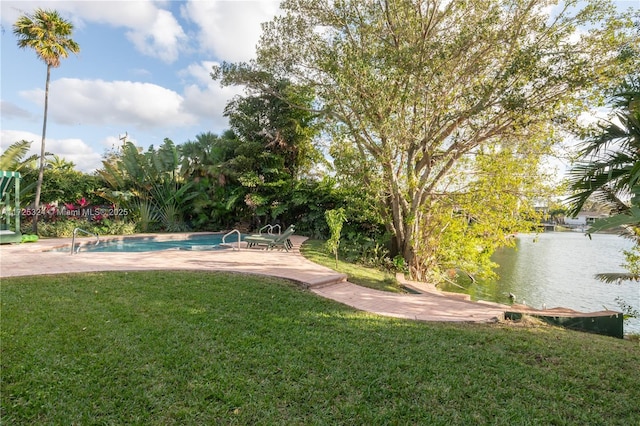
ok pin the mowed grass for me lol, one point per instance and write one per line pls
(195, 348)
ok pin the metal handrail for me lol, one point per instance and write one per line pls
(268, 227)
(73, 240)
(229, 233)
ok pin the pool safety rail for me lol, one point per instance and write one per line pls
(235, 231)
(270, 228)
(73, 240)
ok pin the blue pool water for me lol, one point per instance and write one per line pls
(142, 244)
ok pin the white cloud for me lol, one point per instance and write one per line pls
(161, 37)
(112, 142)
(153, 31)
(9, 109)
(75, 150)
(209, 103)
(8, 137)
(122, 103)
(201, 72)
(230, 30)
(71, 149)
(205, 97)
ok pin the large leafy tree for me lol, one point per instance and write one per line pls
(279, 118)
(246, 176)
(48, 34)
(417, 86)
(276, 127)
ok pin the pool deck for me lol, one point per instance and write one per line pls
(431, 305)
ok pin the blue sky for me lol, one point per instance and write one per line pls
(143, 69)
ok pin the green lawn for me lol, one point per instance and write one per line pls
(196, 348)
(315, 251)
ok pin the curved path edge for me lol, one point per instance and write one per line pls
(36, 259)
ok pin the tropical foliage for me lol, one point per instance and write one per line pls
(13, 158)
(61, 181)
(148, 184)
(610, 158)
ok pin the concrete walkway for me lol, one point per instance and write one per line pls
(35, 259)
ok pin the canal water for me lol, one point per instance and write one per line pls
(557, 269)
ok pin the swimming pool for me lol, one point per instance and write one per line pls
(156, 243)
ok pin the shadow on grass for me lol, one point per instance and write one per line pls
(215, 348)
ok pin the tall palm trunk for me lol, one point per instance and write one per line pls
(42, 151)
(47, 33)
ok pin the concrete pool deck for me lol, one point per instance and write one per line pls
(432, 305)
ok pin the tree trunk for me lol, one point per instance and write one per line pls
(408, 220)
(409, 254)
(42, 151)
(402, 233)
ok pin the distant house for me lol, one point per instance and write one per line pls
(584, 218)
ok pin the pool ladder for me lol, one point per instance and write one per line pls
(270, 228)
(235, 231)
(73, 240)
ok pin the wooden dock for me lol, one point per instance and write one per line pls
(609, 323)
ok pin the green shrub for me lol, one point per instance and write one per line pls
(63, 228)
(366, 251)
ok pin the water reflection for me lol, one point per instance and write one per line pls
(557, 269)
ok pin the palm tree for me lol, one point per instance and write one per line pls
(610, 174)
(13, 158)
(46, 32)
(58, 163)
(610, 168)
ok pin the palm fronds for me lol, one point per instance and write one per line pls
(617, 277)
(610, 164)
